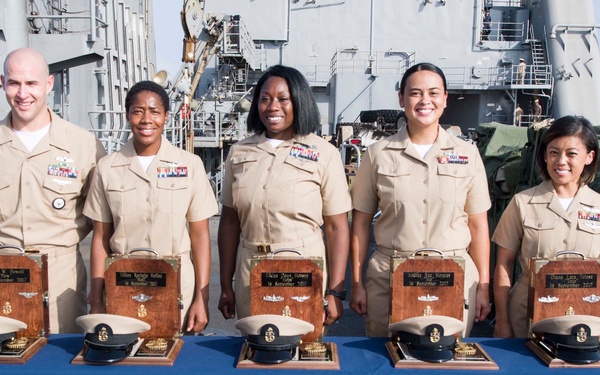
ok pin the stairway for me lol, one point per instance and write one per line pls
(539, 63)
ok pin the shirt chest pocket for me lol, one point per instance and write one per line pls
(62, 193)
(123, 197)
(454, 182)
(8, 197)
(394, 183)
(542, 232)
(298, 176)
(243, 166)
(173, 195)
(588, 238)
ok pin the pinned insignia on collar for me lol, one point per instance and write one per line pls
(589, 213)
(302, 151)
(63, 169)
(452, 158)
(172, 171)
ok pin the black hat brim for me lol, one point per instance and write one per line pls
(431, 355)
(578, 356)
(273, 356)
(104, 356)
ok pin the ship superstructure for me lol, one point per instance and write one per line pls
(96, 51)
(354, 52)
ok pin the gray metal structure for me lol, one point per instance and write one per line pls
(354, 52)
(95, 49)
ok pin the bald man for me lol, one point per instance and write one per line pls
(47, 164)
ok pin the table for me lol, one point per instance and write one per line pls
(218, 355)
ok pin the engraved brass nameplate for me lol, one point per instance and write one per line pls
(576, 281)
(141, 279)
(286, 279)
(428, 279)
(14, 275)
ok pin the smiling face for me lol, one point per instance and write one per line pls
(275, 109)
(423, 99)
(27, 82)
(565, 159)
(147, 117)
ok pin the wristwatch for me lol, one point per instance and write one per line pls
(341, 295)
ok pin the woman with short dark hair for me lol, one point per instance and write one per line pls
(151, 194)
(561, 213)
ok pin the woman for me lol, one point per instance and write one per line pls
(281, 185)
(559, 214)
(432, 191)
(147, 195)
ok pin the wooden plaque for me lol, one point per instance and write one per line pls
(138, 358)
(24, 297)
(560, 287)
(328, 360)
(289, 286)
(426, 285)
(146, 288)
(477, 360)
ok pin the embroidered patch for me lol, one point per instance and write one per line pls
(172, 171)
(63, 169)
(301, 151)
(452, 158)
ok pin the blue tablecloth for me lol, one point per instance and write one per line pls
(218, 355)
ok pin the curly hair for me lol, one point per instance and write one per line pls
(146, 86)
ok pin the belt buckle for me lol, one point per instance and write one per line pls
(264, 248)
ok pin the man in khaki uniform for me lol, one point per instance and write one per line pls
(47, 165)
(424, 203)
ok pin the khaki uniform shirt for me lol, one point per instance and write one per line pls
(423, 202)
(535, 224)
(151, 209)
(281, 194)
(42, 192)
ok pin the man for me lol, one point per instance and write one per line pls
(518, 114)
(521, 70)
(487, 25)
(47, 164)
(537, 111)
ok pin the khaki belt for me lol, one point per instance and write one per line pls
(394, 253)
(270, 247)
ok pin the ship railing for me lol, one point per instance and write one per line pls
(315, 74)
(112, 139)
(485, 77)
(95, 23)
(237, 40)
(355, 61)
(506, 3)
(508, 32)
(528, 120)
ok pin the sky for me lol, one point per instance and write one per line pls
(169, 33)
